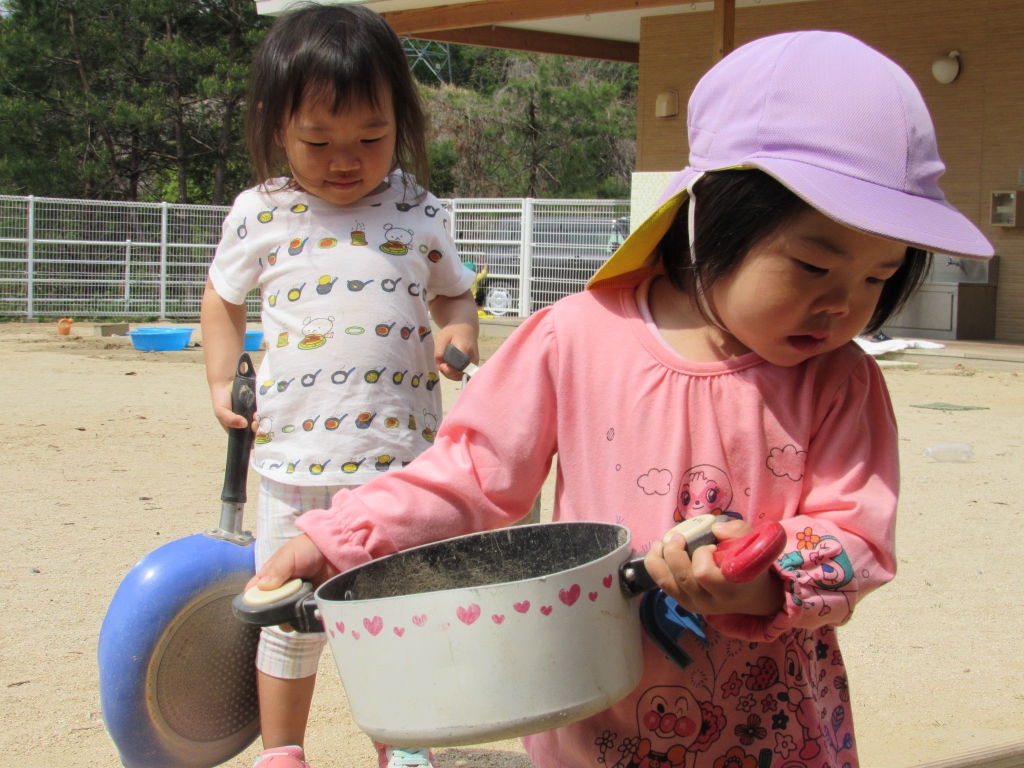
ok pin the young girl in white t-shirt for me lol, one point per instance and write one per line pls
(349, 253)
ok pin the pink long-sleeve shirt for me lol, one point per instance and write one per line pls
(645, 438)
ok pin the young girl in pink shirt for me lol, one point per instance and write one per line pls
(710, 368)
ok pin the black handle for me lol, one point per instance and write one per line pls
(243, 402)
(456, 358)
(298, 611)
(633, 577)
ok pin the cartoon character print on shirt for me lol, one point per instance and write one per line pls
(264, 431)
(805, 686)
(706, 491)
(398, 240)
(671, 724)
(430, 427)
(316, 331)
(820, 566)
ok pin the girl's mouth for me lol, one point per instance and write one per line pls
(343, 185)
(806, 343)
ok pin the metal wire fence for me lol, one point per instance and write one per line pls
(99, 259)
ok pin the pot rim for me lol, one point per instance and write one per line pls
(363, 601)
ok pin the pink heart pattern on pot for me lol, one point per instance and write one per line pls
(468, 615)
(569, 596)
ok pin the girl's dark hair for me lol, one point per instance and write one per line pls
(338, 55)
(736, 211)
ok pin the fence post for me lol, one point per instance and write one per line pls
(127, 274)
(455, 229)
(30, 254)
(163, 261)
(526, 258)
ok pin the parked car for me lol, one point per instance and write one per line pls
(567, 251)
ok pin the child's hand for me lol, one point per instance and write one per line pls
(297, 559)
(459, 325)
(461, 336)
(699, 586)
(220, 394)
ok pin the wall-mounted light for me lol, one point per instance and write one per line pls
(947, 68)
(667, 104)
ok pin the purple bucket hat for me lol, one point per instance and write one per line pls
(834, 121)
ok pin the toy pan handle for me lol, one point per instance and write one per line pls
(741, 560)
(243, 402)
(298, 611)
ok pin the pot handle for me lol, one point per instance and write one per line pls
(741, 560)
(299, 611)
(243, 402)
(459, 360)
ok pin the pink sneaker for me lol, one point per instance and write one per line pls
(282, 757)
(393, 757)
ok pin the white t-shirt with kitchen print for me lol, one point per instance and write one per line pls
(348, 387)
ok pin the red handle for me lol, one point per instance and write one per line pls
(743, 559)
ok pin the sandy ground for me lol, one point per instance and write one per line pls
(109, 453)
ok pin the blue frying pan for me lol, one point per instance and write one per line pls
(177, 670)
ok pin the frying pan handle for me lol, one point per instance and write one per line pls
(741, 560)
(299, 611)
(243, 402)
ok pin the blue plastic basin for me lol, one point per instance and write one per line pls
(253, 341)
(161, 339)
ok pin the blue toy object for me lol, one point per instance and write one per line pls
(253, 341)
(161, 339)
(666, 622)
(177, 670)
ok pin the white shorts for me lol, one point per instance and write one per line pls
(288, 655)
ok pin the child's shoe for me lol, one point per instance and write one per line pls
(393, 757)
(281, 757)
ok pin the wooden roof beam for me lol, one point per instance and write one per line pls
(485, 13)
(515, 39)
(725, 25)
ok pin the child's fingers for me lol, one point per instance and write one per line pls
(229, 419)
(296, 559)
(734, 529)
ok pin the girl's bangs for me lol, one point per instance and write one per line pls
(335, 80)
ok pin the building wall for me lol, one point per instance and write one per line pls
(979, 118)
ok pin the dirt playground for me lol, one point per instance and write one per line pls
(109, 453)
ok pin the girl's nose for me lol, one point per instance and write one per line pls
(344, 162)
(836, 301)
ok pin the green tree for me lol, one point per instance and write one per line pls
(532, 125)
(125, 99)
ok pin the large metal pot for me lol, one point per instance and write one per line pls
(491, 635)
(481, 637)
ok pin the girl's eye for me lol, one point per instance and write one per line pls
(813, 269)
(317, 143)
(372, 141)
(876, 280)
